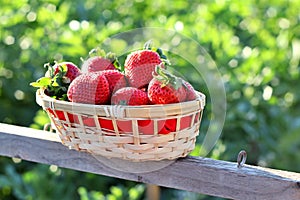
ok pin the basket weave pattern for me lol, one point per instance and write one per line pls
(136, 133)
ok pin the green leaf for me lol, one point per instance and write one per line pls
(97, 52)
(42, 82)
(55, 83)
(64, 68)
(64, 97)
(45, 81)
(116, 191)
(35, 84)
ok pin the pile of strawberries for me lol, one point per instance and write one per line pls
(145, 80)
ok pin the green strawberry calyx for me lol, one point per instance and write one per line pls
(166, 78)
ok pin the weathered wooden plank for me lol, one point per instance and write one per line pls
(202, 175)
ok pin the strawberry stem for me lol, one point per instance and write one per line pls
(165, 77)
(148, 45)
(97, 52)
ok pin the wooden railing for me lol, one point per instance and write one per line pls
(196, 174)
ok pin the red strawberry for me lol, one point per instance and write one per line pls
(98, 61)
(139, 66)
(91, 88)
(60, 115)
(115, 79)
(57, 79)
(71, 71)
(88, 121)
(166, 88)
(190, 92)
(57, 113)
(147, 127)
(170, 124)
(124, 126)
(129, 96)
(164, 126)
(185, 122)
(106, 124)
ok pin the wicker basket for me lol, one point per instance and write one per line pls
(136, 133)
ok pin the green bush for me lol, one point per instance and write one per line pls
(255, 45)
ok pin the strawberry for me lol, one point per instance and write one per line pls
(191, 94)
(124, 126)
(98, 61)
(88, 121)
(166, 88)
(140, 64)
(57, 79)
(91, 88)
(163, 126)
(70, 73)
(106, 124)
(60, 115)
(57, 114)
(185, 122)
(115, 79)
(129, 96)
(146, 127)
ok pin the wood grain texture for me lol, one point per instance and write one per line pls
(201, 175)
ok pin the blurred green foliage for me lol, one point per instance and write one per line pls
(255, 45)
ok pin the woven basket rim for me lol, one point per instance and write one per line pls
(200, 97)
(121, 111)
